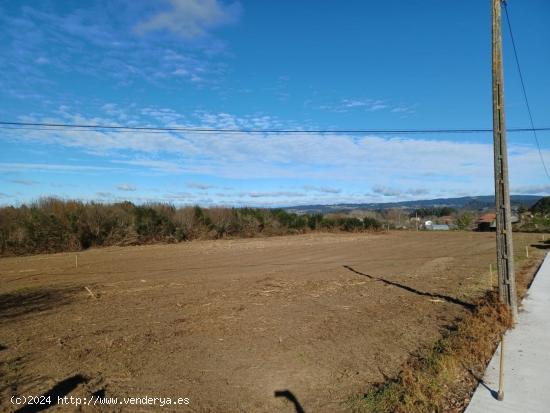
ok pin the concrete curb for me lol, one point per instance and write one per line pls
(527, 358)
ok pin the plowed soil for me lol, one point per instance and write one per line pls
(251, 325)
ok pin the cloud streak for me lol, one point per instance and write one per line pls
(39, 39)
(316, 156)
(192, 19)
(198, 185)
(543, 189)
(322, 189)
(367, 105)
(357, 167)
(126, 187)
(48, 167)
(26, 182)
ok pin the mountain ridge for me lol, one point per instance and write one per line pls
(466, 202)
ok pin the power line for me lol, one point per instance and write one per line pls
(155, 129)
(524, 90)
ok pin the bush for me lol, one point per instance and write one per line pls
(53, 225)
(371, 224)
(464, 221)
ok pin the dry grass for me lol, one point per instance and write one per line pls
(439, 379)
(443, 378)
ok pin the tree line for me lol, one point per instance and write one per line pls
(433, 211)
(54, 225)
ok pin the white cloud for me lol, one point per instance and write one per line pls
(42, 60)
(223, 120)
(180, 72)
(274, 194)
(19, 166)
(385, 191)
(198, 185)
(161, 166)
(126, 187)
(404, 109)
(26, 182)
(393, 166)
(323, 189)
(352, 103)
(543, 189)
(418, 191)
(192, 19)
(180, 196)
(92, 33)
(401, 193)
(104, 195)
(365, 104)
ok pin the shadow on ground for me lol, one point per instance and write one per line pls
(447, 298)
(287, 394)
(24, 302)
(61, 389)
(480, 382)
(542, 246)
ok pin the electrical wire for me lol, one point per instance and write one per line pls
(154, 129)
(524, 89)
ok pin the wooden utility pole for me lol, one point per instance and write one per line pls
(505, 251)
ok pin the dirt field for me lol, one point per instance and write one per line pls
(229, 323)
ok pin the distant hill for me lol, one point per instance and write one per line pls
(467, 202)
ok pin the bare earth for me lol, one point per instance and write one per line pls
(228, 323)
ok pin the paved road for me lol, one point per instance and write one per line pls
(527, 358)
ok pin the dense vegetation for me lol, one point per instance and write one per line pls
(536, 218)
(52, 225)
(542, 206)
(433, 211)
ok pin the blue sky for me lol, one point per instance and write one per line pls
(264, 65)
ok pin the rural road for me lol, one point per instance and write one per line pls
(527, 377)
